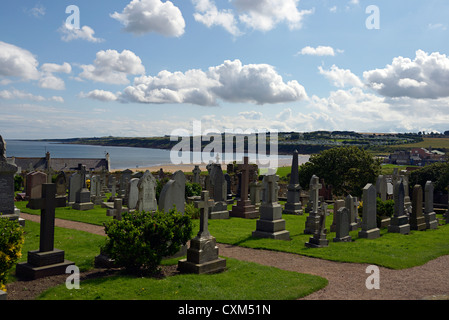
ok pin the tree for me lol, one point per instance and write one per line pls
(438, 173)
(347, 169)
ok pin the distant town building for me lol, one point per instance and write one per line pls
(60, 164)
(417, 157)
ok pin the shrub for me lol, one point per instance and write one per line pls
(140, 240)
(193, 189)
(18, 183)
(11, 242)
(191, 211)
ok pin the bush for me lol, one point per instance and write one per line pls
(18, 183)
(140, 240)
(383, 209)
(193, 189)
(191, 211)
(11, 242)
(438, 173)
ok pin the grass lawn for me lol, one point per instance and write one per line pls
(96, 216)
(391, 250)
(260, 283)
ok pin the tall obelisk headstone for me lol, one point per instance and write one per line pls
(293, 204)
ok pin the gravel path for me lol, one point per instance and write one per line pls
(346, 280)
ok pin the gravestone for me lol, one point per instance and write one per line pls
(196, 174)
(271, 225)
(429, 214)
(173, 193)
(354, 221)
(61, 184)
(219, 187)
(95, 190)
(255, 189)
(244, 208)
(75, 186)
(118, 210)
(337, 205)
(407, 200)
(202, 256)
(313, 220)
(124, 180)
(147, 193)
(318, 240)
(417, 221)
(82, 199)
(113, 184)
(7, 172)
(342, 225)
(34, 182)
(369, 223)
(399, 222)
(228, 189)
(293, 204)
(133, 193)
(47, 261)
(381, 187)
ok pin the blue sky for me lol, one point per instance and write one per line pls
(148, 67)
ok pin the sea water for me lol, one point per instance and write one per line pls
(120, 157)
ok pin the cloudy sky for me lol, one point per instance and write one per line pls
(148, 67)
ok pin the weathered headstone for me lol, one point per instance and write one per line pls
(75, 185)
(133, 193)
(313, 220)
(116, 213)
(271, 225)
(293, 204)
(228, 188)
(399, 222)
(337, 205)
(113, 184)
(147, 193)
(7, 172)
(173, 193)
(219, 187)
(82, 199)
(202, 256)
(196, 174)
(34, 182)
(381, 187)
(255, 189)
(244, 208)
(369, 223)
(124, 180)
(342, 226)
(417, 221)
(354, 221)
(429, 214)
(95, 190)
(47, 261)
(319, 240)
(61, 184)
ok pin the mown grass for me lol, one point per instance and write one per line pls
(240, 281)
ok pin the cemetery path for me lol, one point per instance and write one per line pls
(347, 281)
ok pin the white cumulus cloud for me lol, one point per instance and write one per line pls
(113, 67)
(144, 16)
(17, 62)
(425, 77)
(318, 51)
(69, 33)
(266, 14)
(341, 77)
(208, 14)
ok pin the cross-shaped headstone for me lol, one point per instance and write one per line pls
(204, 206)
(271, 190)
(315, 187)
(47, 204)
(116, 213)
(244, 168)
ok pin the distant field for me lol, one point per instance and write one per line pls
(437, 143)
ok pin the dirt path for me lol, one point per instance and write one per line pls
(346, 280)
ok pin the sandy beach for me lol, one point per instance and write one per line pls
(189, 167)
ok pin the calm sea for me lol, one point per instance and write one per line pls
(121, 157)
